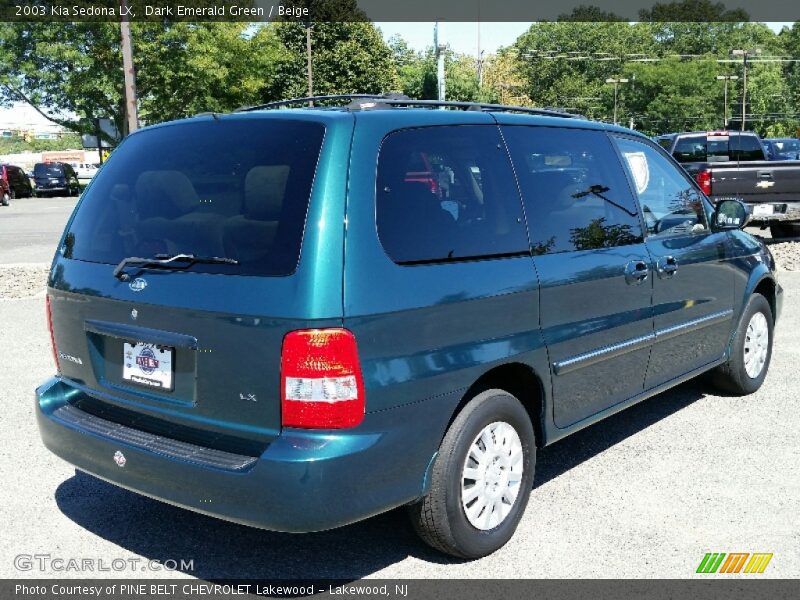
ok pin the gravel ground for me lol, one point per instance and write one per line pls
(22, 281)
(643, 494)
(787, 255)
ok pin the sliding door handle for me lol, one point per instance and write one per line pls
(666, 266)
(636, 272)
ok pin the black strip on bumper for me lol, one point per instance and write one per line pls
(75, 418)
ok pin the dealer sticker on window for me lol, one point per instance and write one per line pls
(149, 365)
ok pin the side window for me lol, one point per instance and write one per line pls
(670, 203)
(690, 149)
(447, 193)
(575, 191)
(746, 148)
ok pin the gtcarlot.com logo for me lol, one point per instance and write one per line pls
(734, 562)
(64, 564)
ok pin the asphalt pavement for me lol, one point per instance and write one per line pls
(644, 494)
(31, 227)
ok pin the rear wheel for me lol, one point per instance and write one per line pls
(751, 351)
(5, 199)
(481, 478)
(784, 230)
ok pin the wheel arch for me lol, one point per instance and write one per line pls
(767, 287)
(521, 381)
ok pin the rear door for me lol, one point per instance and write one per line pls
(199, 345)
(592, 263)
(693, 283)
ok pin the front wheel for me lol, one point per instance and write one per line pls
(481, 478)
(751, 350)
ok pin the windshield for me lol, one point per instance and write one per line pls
(787, 145)
(47, 170)
(236, 188)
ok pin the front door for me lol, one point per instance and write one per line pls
(693, 284)
(592, 263)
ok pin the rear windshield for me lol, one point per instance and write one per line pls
(223, 188)
(718, 148)
(47, 170)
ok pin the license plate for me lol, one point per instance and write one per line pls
(148, 365)
(763, 210)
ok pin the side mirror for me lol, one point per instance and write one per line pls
(731, 214)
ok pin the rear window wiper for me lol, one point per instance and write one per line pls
(169, 261)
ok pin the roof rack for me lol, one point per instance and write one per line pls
(374, 101)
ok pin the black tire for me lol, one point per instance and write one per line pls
(5, 199)
(784, 230)
(732, 376)
(439, 518)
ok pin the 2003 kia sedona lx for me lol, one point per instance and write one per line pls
(299, 318)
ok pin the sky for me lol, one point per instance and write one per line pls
(463, 37)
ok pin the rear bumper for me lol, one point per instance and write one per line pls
(304, 481)
(50, 189)
(781, 211)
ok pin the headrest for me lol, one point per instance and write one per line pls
(173, 187)
(264, 190)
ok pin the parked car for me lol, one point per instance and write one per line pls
(782, 148)
(85, 171)
(733, 164)
(13, 184)
(304, 332)
(55, 178)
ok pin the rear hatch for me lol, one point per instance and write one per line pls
(190, 347)
(49, 175)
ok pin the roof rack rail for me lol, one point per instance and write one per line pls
(372, 101)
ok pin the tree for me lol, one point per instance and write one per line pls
(347, 57)
(72, 72)
(579, 56)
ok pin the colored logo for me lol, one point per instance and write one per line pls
(138, 284)
(147, 361)
(734, 562)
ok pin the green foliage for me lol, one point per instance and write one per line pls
(68, 69)
(18, 145)
(346, 58)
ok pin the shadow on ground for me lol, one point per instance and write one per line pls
(220, 549)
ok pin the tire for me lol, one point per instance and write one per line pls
(5, 200)
(740, 375)
(784, 230)
(441, 518)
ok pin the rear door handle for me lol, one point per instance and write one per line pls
(666, 266)
(636, 272)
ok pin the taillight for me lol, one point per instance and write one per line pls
(321, 382)
(703, 179)
(50, 329)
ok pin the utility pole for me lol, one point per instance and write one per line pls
(726, 79)
(308, 63)
(616, 81)
(440, 49)
(131, 110)
(745, 54)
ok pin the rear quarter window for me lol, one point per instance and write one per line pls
(236, 188)
(447, 193)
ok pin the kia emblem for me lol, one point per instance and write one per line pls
(120, 459)
(138, 284)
